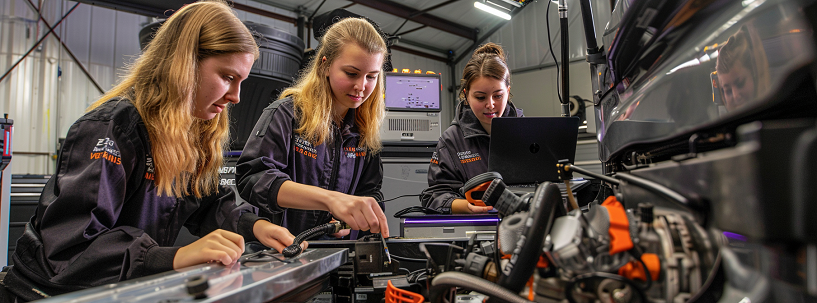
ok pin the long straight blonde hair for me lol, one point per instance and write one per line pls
(312, 94)
(187, 151)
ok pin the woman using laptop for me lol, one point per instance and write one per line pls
(462, 152)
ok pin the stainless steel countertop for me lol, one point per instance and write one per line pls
(240, 282)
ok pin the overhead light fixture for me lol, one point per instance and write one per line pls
(492, 10)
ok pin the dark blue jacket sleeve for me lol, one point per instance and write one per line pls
(260, 169)
(444, 180)
(221, 211)
(99, 169)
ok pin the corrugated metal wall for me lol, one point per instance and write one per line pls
(533, 72)
(524, 39)
(48, 91)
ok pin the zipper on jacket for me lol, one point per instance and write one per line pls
(335, 165)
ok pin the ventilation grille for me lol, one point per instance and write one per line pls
(409, 124)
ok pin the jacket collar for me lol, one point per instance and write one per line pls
(348, 128)
(469, 123)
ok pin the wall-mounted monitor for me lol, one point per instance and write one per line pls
(413, 92)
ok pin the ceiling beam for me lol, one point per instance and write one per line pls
(423, 46)
(151, 8)
(406, 12)
(264, 13)
(419, 53)
(420, 12)
(411, 30)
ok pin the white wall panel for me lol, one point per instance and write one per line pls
(534, 79)
(44, 105)
(525, 41)
(25, 85)
(76, 31)
(102, 37)
(126, 46)
(17, 8)
(535, 91)
(42, 102)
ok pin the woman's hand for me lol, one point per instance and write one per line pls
(220, 245)
(361, 213)
(274, 236)
(462, 206)
(342, 233)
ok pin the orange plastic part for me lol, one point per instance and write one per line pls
(543, 262)
(482, 187)
(619, 226)
(396, 295)
(531, 293)
(633, 270)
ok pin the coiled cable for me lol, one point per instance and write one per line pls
(320, 230)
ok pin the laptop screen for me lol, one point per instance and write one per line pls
(525, 150)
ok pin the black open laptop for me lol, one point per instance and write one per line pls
(525, 150)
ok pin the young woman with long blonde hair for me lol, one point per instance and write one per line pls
(314, 154)
(142, 163)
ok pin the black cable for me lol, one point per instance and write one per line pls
(295, 248)
(709, 279)
(602, 275)
(398, 197)
(591, 174)
(647, 273)
(697, 207)
(448, 257)
(470, 244)
(550, 45)
(407, 259)
(637, 255)
(434, 265)
(417, 209)
(655, 188)
(414, 276)
(266, 255)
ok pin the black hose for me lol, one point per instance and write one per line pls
(591, 174)
(444, 281)
(589, 26)
(696, 205)
(407, 259)
(320, 230)
(565, 85)
(637, 255)
(546, 204)
(708, 282)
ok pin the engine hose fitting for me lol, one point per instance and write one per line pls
(320, 230)
(545, 207)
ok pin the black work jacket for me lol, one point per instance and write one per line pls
(275, 153)
(461, 154)
(99, 219)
